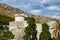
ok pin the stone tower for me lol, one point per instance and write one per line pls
(17, 27)
(19, 17)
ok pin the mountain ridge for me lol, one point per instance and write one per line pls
(11, 11)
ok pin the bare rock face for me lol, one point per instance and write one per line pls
(54, 30)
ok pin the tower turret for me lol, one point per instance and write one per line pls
(19, 17)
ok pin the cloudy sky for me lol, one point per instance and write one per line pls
(50, 8)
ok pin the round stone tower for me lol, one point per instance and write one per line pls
(19, 17)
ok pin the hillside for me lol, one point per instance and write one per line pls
(9, 11)
(4, 20)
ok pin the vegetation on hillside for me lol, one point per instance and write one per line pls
(30, 30)
(7, 35)
(4, 20)
(45, 34)
(4, 33)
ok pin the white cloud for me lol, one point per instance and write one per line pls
(32, 4)
(5, 1)
(57, 17)
(44, 1)
(8, 0)
(22, 6)
(56, 14)
(36, 11)
(53, 8)
(40, 1)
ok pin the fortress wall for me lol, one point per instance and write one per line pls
(17, 27)
(39, 29)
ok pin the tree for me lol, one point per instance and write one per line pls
(6, 35)
(45, 34)
(58, 38)
(30, 30)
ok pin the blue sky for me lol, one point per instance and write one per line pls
(50, 8)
